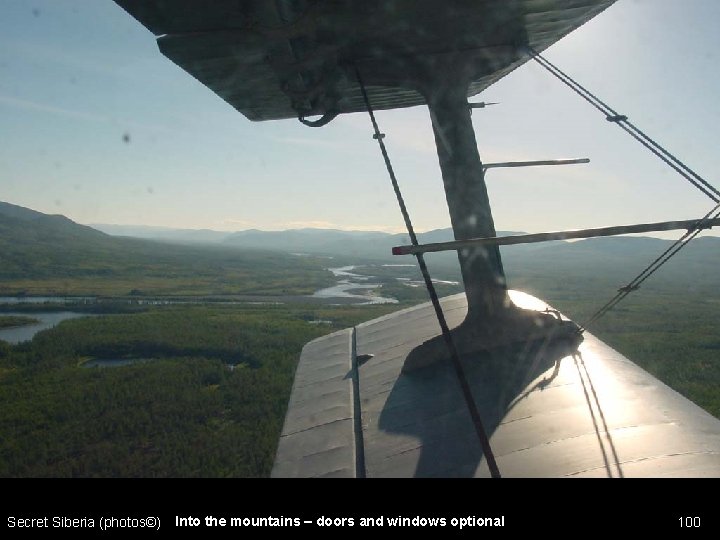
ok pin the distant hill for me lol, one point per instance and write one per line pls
(609, 263)
(372, 245)
(36, 245)
(51, 254)
(619, 253)
(168, 234)
(357, 244)
(613, 258)
(28, 225)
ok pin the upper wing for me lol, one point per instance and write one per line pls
(282, 59)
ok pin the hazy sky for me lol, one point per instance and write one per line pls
(77, 75)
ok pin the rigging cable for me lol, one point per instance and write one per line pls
(654, 266)
(611, 115)
(459, 371)
(621, 120)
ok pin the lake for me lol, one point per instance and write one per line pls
(19, 334)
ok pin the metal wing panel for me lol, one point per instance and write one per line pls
(549, 411)
(274, 60)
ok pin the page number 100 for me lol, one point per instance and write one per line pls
(689, 522)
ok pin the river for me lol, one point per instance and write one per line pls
(351, 288)
(349, 281)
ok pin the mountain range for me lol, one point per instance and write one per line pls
(612, 257)
(51, 254)
(30, 239)
(370, 245)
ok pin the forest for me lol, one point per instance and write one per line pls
(11, 321)
(210, 395)
(209, 402)
(200, 388)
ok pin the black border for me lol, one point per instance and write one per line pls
(567, 506)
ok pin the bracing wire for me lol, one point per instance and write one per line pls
(654, 266)
(686, 172)
(621, 120)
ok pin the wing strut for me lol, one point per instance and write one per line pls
(459, 371)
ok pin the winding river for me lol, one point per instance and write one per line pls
(349, 281)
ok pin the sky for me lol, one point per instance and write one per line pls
(98, 125)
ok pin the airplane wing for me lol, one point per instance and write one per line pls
(273, 60)
(549, 407)
(550, 410)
